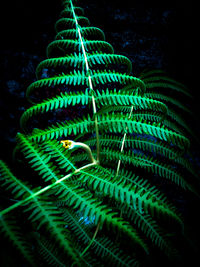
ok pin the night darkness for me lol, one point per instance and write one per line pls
(151, 37)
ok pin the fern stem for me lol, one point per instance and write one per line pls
(92, 240)
(87, 149)
(33, 195)
(89, 81)
(123, 142)
(69, 144)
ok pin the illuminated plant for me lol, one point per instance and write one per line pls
(97, 177)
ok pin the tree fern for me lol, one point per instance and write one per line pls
(97, 177)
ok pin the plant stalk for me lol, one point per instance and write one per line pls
(33, 195)
(123, 142)
(90, 83)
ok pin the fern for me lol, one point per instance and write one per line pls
(97, 177)
(100, 246)
(11, 230)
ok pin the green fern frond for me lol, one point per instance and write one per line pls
(78, 197)
(143, 143)
(101, 245)
(160, 81)
(148, 163)
(62, 101)
(117, 123)
(90, 33)
(59, 154)
(114, 123)
(80, 78)
(77, 61)
(67, 12)
(146, 73)
(10, 182)
(82, 199)
(62, 130)
(169, 100)
(48, 252)
(147, 145)
(112, 254)
(104, 98)
(138, 102)
(44, 213)
(38, 213)
(74, 45)
(68, 23)
(137, 194)
(151, 229)
(10, 228)
(152, 116)
(164, 84)
(38, 160)
(90, 211)
(181, 123)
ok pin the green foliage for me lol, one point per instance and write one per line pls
(82, 213)
(14, 233)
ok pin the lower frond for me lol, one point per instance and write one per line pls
(10, 228)
(79, 198)
(101, 246)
